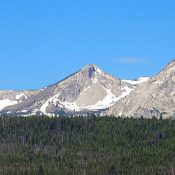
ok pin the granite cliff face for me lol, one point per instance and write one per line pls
(155, 97)
(89, 90)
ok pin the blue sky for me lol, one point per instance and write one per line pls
(42, 41)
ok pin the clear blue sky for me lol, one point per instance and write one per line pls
(42, 41)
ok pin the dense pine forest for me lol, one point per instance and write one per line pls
(86, 146)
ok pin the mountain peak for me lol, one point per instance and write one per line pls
(172, 63)
(89, 66)
(170, 68)
(90, 90)
(91, 70)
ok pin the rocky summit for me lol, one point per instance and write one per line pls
(153, 98)
(87, 91)
(92, 91)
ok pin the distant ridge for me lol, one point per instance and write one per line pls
(92, 91)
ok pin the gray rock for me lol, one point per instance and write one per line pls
(92, 91)
(155, 97)
(89, 90)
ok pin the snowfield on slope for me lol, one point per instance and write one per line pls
(7, 102)
(109, 100)
(137, 81)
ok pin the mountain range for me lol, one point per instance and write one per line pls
(92, 91)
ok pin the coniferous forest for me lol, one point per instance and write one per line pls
(86, 146)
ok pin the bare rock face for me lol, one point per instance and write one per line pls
(10, 98)
(155, 97)
(89, 90)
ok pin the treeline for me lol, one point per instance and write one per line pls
(86, 146)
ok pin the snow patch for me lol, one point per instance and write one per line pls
(120, 114)
(137, 81)
(159, 82)
(52, 99)
(7, 102)
(106, 102)
(126, 91)
(84, 90)
(43, 107)
(109, 100)
(20, 96)
(23, 111)
(94, 80)
(70, 106)
(99, 71)
(42, 89)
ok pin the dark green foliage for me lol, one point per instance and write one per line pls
(86, 146)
